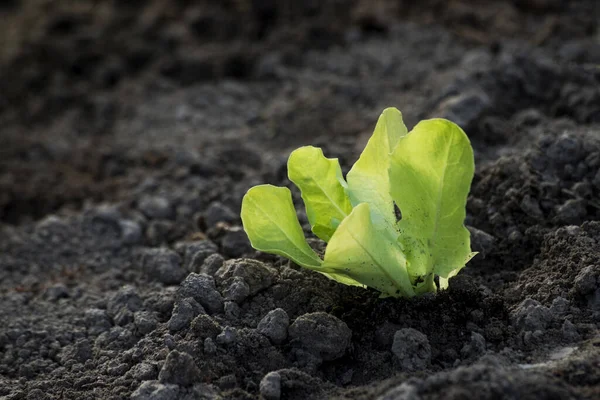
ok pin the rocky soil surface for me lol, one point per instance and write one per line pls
(129, 132)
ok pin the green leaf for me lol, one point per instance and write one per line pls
(444, 281)
(363, 253)
(368, 181)
(431, 171)
(270, 221)
(341, 278)
(319, 179)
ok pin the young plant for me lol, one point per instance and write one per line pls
(426, 173)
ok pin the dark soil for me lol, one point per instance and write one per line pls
(130, 131)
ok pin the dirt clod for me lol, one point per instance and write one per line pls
(412, 349)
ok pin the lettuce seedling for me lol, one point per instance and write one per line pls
(426, 173)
